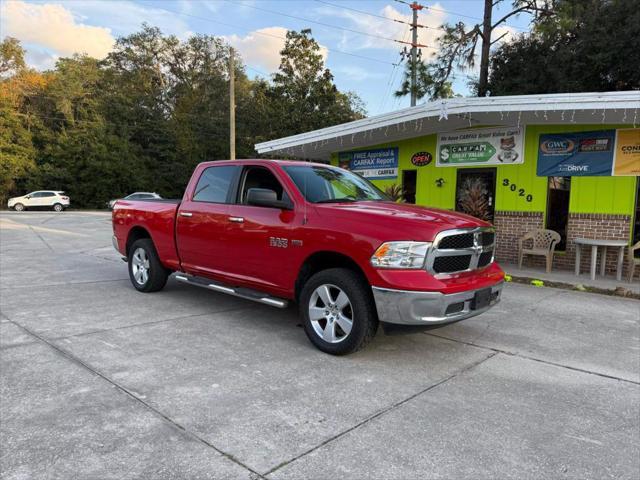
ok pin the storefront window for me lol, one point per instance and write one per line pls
(559, 189)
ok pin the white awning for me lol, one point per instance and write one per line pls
(458, 113)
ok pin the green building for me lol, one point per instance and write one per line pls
(566, 162)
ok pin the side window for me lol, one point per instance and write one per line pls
(260, 177)
(214, 184)
(47, 194)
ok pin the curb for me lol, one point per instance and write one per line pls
(614, 292)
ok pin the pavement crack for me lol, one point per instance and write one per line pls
(188, 433)
(534, 359)
(13, 287)
(382, 412)
(41, 238)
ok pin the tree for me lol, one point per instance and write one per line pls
(304, 95)
(426, 85)
(17, 152)
(459, 43)
(11, 57)
(589, 45)
(143, 117)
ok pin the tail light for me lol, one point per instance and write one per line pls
(64, 198)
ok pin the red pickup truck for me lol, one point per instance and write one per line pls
(277, 231)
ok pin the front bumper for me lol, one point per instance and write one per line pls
(407, 307)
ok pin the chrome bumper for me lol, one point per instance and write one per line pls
(114, 241)
(406, 307)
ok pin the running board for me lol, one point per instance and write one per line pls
(240, 292)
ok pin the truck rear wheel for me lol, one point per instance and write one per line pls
(338, 311)
(146, 272)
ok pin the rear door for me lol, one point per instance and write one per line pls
(202, 222)
(262, 236)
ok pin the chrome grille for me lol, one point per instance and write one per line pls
(461, 250)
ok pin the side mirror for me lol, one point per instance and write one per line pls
(28, 197)
(265, 197)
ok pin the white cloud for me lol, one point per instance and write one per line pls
(261, 48)
(53, 27)
(383, 27)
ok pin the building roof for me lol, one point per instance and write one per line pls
(459, 113)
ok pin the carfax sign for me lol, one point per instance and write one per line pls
(481, 146)
(375, 164)
(579, 154)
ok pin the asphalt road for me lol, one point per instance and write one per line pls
(100, 381)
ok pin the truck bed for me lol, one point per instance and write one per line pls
(155, 216)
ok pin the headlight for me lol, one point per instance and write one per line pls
(400, 255)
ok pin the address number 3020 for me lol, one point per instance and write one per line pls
(521, 191)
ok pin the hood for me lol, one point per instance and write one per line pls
(400, 220)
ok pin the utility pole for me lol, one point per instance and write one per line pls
(232, 107)
(415, 6)
(487, 29)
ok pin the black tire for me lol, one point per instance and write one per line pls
(18, 207)
(362, 307)
(157, 275)
(57, 207)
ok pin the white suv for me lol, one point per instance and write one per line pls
(53, 199)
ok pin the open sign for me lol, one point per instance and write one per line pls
(421, 159)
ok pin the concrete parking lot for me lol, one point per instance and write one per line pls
(100, 381)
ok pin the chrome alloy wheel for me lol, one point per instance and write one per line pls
(140, 266)
(330, 313)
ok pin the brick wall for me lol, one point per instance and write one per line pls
(512, 225)
(600, 226)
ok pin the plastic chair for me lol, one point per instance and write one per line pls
(544, 245)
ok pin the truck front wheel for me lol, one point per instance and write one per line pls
(146, 272)
(338, 311)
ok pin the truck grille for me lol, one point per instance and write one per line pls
(461, 250)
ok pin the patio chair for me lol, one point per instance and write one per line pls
(633, 261)
(544, 245)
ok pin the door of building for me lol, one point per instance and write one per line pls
(409, 178)
(476, 192)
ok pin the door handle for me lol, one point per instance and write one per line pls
(186, 214)
(236, 219)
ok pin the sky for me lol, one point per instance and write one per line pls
(356, 36)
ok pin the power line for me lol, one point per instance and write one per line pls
(457, 14)
(256, 32)
(328, 25)
(392, 77)
(378, 16)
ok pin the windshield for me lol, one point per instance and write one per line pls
(326, 185)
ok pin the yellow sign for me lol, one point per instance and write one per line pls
(627, 157)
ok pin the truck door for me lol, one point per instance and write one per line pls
(262, 236)
(202, 222)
